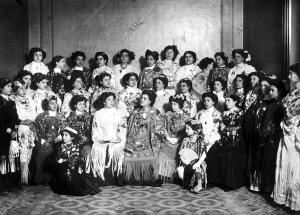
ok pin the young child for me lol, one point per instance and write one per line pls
(200, 80)
(125, 57)
(221, 70)
(175, 124)
(57, 75)
(189, 70)
(36, 65)
(219, 87)
(42, 91)
(128, 97)
(149, 72)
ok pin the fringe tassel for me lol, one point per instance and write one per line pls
(98, 157)
(9, 164)
(167, 167)
(140, 170)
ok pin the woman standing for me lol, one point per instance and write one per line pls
(169, 66)
(189, 70)
(286, 189)
(26, 130)
(160, 84)
(9, 159)
(271, 133)
(109, 136)
(144, 138)
(125, 57)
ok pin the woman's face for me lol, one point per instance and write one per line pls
(210, 66)
(230, 103)
(132, 81)
(27, 80)
(7, 89)
(43, 84)
(101, 61)
(265, 87)
(37, 57)
(124, 57)
(109, 102)
(239, 83)
(21, 91)
(145, 101)
(79, 61)
(53, 105)
(175, 106)
(274, 92)
(218, 86)
(150, 60)
(78, 84)
(189, 59)
(67, 137)
(219, 61)
(61, 64)
(105, 82)
(183, 87)
(80, 106)
(170, 54)
(188, 130)
(159, 85)
(293, 77)
(208, 102)
(254, 80)
(238, 58)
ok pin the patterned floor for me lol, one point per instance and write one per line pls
(130, 200)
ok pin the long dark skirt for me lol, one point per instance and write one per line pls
(70, 182)
(268, 167)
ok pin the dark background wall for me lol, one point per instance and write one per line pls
(263, 34)
(13, 37)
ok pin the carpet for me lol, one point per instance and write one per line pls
(137, 200)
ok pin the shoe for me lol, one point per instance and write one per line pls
(196, 189)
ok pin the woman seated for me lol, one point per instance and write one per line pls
(109, 136)
(144, 138)
(70, 175)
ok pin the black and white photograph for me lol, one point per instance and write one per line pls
(150, 107)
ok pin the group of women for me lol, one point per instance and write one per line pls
(199, 124)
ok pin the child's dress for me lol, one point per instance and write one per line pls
(36, 67)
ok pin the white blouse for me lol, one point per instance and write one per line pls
(36, 67)
(242, 68)
(119, 73)
(187, 71)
